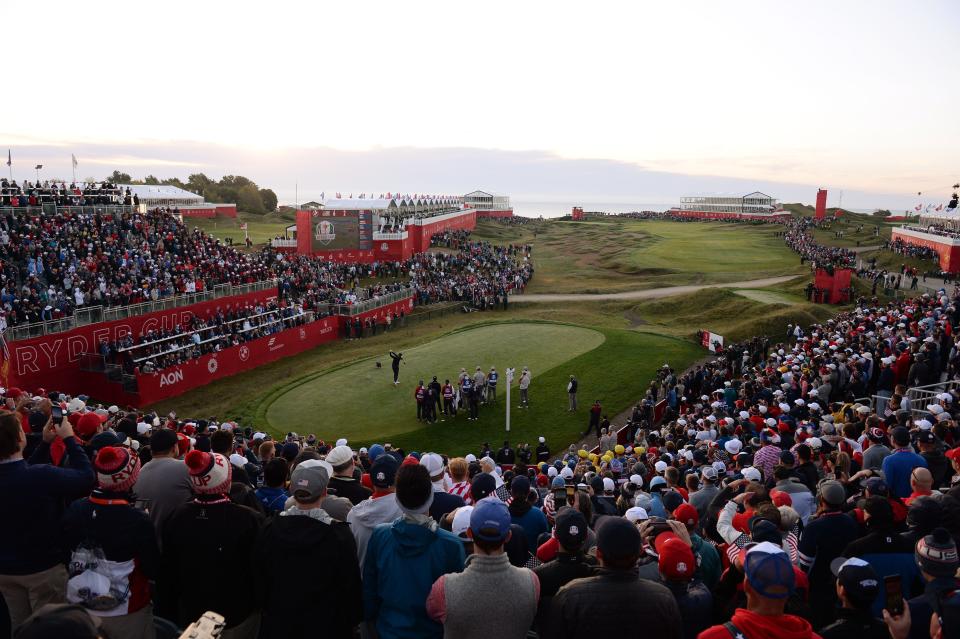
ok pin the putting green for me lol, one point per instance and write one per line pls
(360, 402)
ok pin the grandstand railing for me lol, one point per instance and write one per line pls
(366, 305)
(922, 396)
(378, 236)
(52, 209)
(96, 314)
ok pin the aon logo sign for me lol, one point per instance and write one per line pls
(166, 379)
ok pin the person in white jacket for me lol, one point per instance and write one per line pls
(524, 386)
(380, 508)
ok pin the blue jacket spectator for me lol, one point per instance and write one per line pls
(898, 465)
(404, 559)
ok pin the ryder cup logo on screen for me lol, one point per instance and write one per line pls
(325, 233)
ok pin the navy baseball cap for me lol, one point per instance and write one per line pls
(383, 472)
(768, 570)
(858, 578)
(483, 484)
(571, 530)
(876, 486)
(490, 520)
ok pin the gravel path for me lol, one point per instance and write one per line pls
(650, 293)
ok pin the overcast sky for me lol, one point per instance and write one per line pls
(860, 95)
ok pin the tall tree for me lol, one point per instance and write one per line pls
(269, 200)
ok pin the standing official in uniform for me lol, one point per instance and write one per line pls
(572, 393)
(492, 378)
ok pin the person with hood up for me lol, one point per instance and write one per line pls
(404, 559)
(210, 535)
(381, 508)
(769, 580)
(326, 584)
(113, 548)
(522, 512)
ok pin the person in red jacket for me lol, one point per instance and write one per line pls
(768, 583)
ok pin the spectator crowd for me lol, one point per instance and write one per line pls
(793, 488)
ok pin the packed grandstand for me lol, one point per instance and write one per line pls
(54, 262)
(790, 488)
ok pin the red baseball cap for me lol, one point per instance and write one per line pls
(687, 515)
(953, 453)
(676, 561)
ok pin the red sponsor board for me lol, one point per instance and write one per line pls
(834, 288)
(947, 252)
(52, 361)
(176, 380)
(173, 381)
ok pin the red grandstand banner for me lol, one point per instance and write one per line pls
(52, 361)
(176, 380)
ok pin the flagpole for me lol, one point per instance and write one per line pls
(73, 163)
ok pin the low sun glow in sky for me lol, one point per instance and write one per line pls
(861, 93)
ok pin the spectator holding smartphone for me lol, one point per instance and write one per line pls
(32, 497)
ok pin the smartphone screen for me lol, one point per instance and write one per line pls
(571, 491)
(894, 590)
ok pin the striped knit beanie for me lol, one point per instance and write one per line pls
(117, 469)
(210, 473)
(937, 554)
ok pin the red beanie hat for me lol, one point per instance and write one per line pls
(210, 473)
(117, 468)
(87, 426)
(781, 498)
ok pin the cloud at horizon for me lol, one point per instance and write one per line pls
(305, 173)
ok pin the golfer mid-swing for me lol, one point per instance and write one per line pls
(396, 357)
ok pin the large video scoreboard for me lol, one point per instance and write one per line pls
(332, 230)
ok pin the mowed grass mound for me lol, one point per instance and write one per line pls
(729, 313)
(606, 256)
(261, 228)
(360, 402)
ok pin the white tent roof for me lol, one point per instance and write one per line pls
(160, 191)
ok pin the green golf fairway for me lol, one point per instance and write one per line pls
(360, 402)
